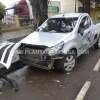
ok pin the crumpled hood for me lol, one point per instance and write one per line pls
(43, 38)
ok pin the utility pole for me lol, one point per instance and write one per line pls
(75, 6)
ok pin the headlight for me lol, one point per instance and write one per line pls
(55, 49)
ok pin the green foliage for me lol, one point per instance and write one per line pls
(2, 10)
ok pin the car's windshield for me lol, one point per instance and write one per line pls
(59, 25)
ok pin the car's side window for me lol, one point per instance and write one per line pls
(85, 24)
(88, 22)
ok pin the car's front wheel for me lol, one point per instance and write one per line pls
(66, 64)
(96, 45)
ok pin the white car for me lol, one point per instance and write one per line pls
(56, 43)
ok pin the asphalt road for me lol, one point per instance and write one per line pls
(35, 84)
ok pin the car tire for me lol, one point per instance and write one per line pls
(67, 64)
(96, 45)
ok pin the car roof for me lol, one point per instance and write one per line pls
(69, 15)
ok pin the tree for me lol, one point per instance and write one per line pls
(2, 11)
(86, 5)
(40, 11)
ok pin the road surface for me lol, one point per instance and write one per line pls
(35, 84)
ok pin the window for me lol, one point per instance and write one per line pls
(89, 22)
(85, 24)
(59, 25)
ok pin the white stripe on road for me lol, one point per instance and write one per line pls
(97, 66)
(83, 91)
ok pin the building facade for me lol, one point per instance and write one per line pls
(95, 10)
(68, 6)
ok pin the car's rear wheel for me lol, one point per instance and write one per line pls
(96, 45)
(66, 64)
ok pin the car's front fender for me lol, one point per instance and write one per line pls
(69, 46)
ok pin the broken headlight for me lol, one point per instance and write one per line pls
(55, 49)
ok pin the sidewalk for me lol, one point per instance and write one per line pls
(15, 34)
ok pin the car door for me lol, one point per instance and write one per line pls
(89, 33)
(84, 32)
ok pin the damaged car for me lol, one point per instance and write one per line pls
(56, 44)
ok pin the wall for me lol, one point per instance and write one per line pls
(54, 7)
(68, 6)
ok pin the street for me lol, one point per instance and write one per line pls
(49, 49)
(36, 84)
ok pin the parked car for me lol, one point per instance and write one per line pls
(57, 43)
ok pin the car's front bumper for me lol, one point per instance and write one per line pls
(47, 63)
(37, 57)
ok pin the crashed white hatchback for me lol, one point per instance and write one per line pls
(55, 44)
